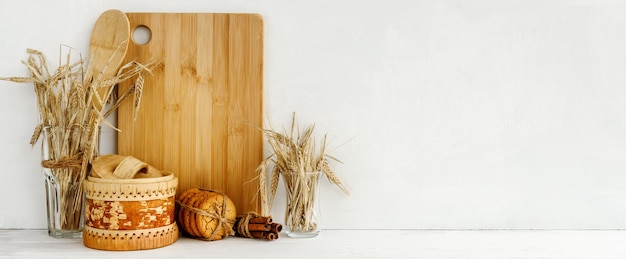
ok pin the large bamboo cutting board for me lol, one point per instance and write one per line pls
(202, 109)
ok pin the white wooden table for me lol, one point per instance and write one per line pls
(346, 244)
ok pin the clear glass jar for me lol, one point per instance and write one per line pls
(302, 215)
(63, 171)
(65, 207)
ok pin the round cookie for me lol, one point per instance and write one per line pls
(215, 202)
(198, 199)
(202, 195)
(182, 198)
(184, 215)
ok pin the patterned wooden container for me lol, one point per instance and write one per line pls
(130, 214)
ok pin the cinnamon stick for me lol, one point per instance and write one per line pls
(256, 227)
(264, 235)
(257, 219)
(259, 227)
(261, 220)
(276, 228)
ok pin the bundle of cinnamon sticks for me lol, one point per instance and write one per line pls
(252, 225)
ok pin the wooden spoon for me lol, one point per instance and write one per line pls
(107, 48)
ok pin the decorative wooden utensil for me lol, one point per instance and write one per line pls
(107, 49)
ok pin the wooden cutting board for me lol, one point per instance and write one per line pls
(201, 110)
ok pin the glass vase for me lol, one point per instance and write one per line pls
(302, 216)
(64, 171)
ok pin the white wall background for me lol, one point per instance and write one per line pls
(485, 114)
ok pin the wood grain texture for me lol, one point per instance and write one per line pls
(201, 110)
(109, 41)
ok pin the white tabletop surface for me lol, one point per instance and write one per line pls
(346, 244)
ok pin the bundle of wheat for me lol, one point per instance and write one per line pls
(69, 121)
(295, 157)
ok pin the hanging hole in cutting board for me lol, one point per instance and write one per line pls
(142, 35)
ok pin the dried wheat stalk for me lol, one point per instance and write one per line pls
(69, 121)
(295, 157)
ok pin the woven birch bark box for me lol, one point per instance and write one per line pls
(130, 214)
